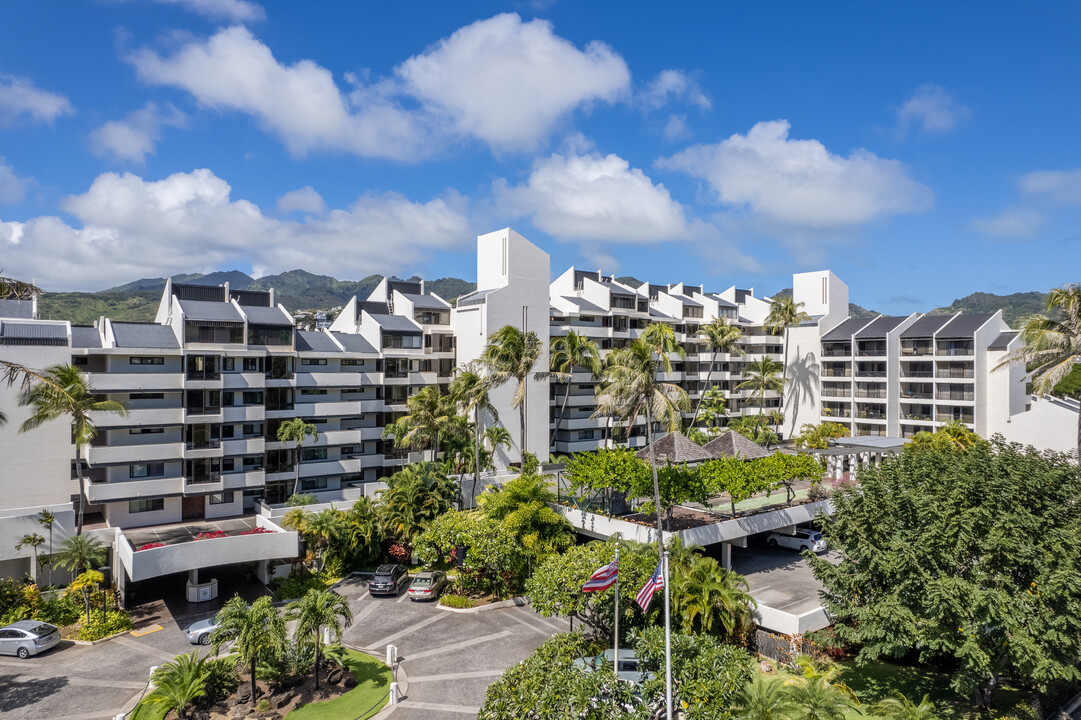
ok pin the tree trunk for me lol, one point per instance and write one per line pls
(79, 474)
(703, 395)
(50, 554)
(317, 658)
(435, 446)
(784, 368)
(985, 692)
(296, 483)
(521, 429)
(254, 658)
(476, 454)
(656, 484)
(86, 599)
(562, 412)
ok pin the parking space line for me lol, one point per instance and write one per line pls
(455, 646)
(531, 626)
(541, 619)
(144, 649)
(407, 631)
(456, 676)
(465, 709)
(403, 597)
(146, 631)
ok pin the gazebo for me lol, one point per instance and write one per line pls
(733, 444)
(676, 448)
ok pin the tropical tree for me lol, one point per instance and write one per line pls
(296, 431)
(713, 409)
(818, 437)
(415, 496)
(764, 699)
(1052, 346)
(951, 436)
(80, 553)
(87, 582)
(361, 528)
(322, 528)
(320, 609)
(785, 313)
(815, 699)
(523, 505)
(630, 388)
(258, 632)
(46, 520)
(511, 354)
(762, 376)
(179, 682)
(710, 599)
(429, 414)
(825, 671)
(570, 351)
(64, 391)
(470, 391)
(33, 541)
(898, 707)
(720, 337)
(496, 436)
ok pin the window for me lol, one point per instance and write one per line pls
(253, 397)
(146, 396)
(313, 391)
(227, 398)
(402, 341)
(270, 335)
(80, 360)
(146, 431)
(315, 454)
(253, 463)
(222, 498)
(317, 483)
(146, 505)
(586, 434)
(146, 470)
(228, 364)
(146, 361)
(253, 364)
(352, 362)
(313, 361)
(228, 431)
(253, 429)
(228, 465)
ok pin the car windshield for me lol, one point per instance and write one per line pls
(382, 577)
(41, 630)
(422, 582)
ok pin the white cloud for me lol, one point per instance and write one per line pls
(670, 86)
(228, 10)
(188, 222)
(1044, 194)
(930, 110)
(19, 96)
(676, 128)
(594, 197)
(137, 135)
(510, 83)
(12, 187)
(1017, 222)
(799, 184)
(1062, 187)
(305, 200)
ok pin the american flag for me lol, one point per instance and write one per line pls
(655, 583)
(603, 578)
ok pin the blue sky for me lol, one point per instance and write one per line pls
(920, 150)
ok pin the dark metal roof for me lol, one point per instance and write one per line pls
(878, 327)
(1002, 342)
(685, 300)
(405, 287)
(33, 333)
(145, 335)
(199, 293)
(251, 298)
(85, 337)
(845, 330)
(355, 343)
(22, 309)
(720, 300)
(584, 305)
(925, 326)
(314, 341)
(675, 447)
(427, 302)
(210, 311)
(963, 326)
(396, 324)
(267, 316)
(477, 297)
(733, 444)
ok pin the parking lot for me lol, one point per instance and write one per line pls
(779, 578)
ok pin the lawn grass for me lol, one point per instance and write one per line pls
(149, 711)
(369, 696)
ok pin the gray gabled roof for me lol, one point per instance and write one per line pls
(733, 444)
(427, 302)
(963, 326)
(145, 335)
(879, 327)
(477, 297)
(686, 300)
(22, 309)
(210, 311)
(396, 324)
(33, 333)
(584, 305)
(85, 337)
(267, 316)
(720, 300)
(355, 343)
(925, 326)
(675, 447)
(1002, 342)
(314, 341)
(845, 330)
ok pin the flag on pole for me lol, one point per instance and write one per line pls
(655, 583)
(603, 578)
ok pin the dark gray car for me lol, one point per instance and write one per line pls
(388, 580)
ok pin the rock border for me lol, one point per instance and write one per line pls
(519, 601)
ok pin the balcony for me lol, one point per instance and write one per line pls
(916, 417)
(102, 492)
(946, 417)
(243, 480)
(870, 373)
(916, 350)
(836, 373)
(952, 349)
(127, 454)
(871, 394)
(338, 379)
(955, 373)
(242, 413)
(241, 381)
(963, 396)
(200, 484)
(243, 446)
(315, 468)
(141, 417)
(135, 382)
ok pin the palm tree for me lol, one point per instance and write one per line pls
(720, 337)
(415, 496)
(495, 436)
(430, 413)
(1052, 347)
(321, 528)
(46, 520)
(898, 707)
(470, 391)
(512, 354)
(523, 505)
(361, 527)
(571, 351)
(762, 376)
(710, 598)
(320, 609)
(814, 699)
(763, 700)
(80, 553)
(785, 313)
(630, 388)
(258, 631)
(179, 682)
(825, 671)
(66, 392)
(31, 540)
(295, 431)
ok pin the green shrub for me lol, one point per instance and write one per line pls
(60, 610)
(115, 621)
(457, 601)
(262, 706)
(297, 584)
(300, 499)
(222, 678)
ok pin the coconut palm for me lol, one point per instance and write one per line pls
(763, 700)
(429, 414)
(64, 391)
(785, 313)
(320, 609)
(321, 528)
(80, 553)
(1052, 346)
(511, 354)
(178, 683)
(630, 388)
(470, 391)
(414, 497)
(296, 431)
(570, 351)
(814, 699)
(46, 520)
(34, 541)
(257, 630)
(898, 707)
(720, 337)
(762, 376)
(495, 436)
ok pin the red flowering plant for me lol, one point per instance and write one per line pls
(150, 546)
(212, 535)
(400, 552)
(258, 531)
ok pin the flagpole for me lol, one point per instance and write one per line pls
(615, 632)
(667, 641)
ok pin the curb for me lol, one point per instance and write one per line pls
(512, 602)
(100, 640)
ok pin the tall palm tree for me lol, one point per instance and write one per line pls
(46, 520)
(34, 541)
(430, 413)
(470, 391)
(361, 527)
(630, 388)
(296, 431)
(64, 391)
(258, 631)
(1052, 346)
(762, 376)
(720, 337)
(80, 553)
(763, 700)
(322, 528)
(511, 354)
(814, 699)
(179, 682)
(785, 313)
(320, 609)
(570, 351)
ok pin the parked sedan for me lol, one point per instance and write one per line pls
(803, 539)
(28, 637)
(388, 580)
(427, 585)
(199, 633)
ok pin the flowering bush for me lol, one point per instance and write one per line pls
(150, 546)
(212, 535)
(258, 531)
(400, 552)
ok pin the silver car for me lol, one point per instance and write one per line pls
(28, 637)
(199, 633)
(427, 585)
(802, 539)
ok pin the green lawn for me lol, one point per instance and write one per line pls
(147, 711)
(369, 696)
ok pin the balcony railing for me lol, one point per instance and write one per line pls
(954, 351)
(834, 393)
(871, 416)
(955, 396)
(950, 417)
(918, 351)
(916, 416)
(916, 395)
(203, 445)
(836, 373)
(873, 394)
(917, 373)
(955, 373)
(845, 352)
(203, 479)
(870, 373)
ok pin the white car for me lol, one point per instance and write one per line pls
(803, 539)
(28, 637)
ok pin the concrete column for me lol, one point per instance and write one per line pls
(193, 576)
(726, 556)
(853, 471)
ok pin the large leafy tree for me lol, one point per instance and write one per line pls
(429, 414)
(63, 391)
(296, 431)
(415, 496)
(523, 506)
(316, 611)
(494, 560)
(470, 390)
(512, 355)
(570, 352)
(258, 632)
(762, 375)
(721, 337)
(969, 558)
(1052, 346)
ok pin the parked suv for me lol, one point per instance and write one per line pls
(803, 539)
(388, 580)
(28, 637)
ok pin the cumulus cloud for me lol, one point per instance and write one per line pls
(20, 97)
(676, 128)
(672, 86)
(505, 82)
(594, 197)
(799, 184)
(188, 222)
(930, 110)
(1061, 187)
(228, 10)
(137, 135)
(305, 200)
(12, 187)
(1043, 194)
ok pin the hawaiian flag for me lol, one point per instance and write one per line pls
(655, 583)
(603, 578)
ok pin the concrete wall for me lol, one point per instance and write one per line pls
(1050, 424)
